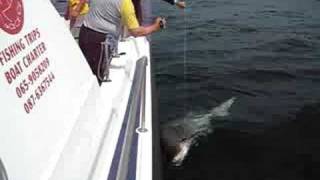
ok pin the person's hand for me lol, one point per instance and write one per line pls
(161, 22)
(181, 4)
(74, 12)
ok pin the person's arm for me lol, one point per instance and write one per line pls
(146, 30)
(129, 19)
(180, 4)
(74, 10)
(75, 7)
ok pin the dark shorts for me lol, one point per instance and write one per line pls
(90, 43)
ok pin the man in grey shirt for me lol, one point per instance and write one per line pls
(105, 18)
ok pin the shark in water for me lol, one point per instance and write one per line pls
(179, 135)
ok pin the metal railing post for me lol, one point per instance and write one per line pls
(142, 128)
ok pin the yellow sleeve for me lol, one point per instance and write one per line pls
(84, 9)
(128, 15)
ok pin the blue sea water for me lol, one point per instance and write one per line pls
(266, 54)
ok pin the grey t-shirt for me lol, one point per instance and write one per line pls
(104, 16)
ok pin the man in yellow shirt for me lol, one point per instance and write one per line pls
(75, 9)
(106, 17)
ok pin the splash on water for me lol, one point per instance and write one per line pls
(182, 134)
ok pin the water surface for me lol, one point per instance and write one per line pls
(264, 53)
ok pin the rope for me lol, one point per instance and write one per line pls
(100, 73)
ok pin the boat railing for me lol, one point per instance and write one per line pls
(136, 117)
(3, 173)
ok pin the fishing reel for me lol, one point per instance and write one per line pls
(163, 23)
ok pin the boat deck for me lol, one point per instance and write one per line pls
(104, 120)
(74, 130)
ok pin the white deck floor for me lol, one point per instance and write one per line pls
(102, 119)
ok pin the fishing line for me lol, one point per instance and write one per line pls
(185, 38)
(185, 58)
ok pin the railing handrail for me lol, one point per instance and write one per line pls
(137, 98)
(3, 173)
